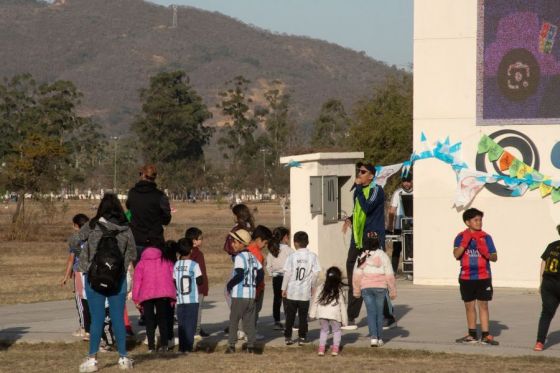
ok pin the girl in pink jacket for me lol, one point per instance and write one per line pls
(372, 278)
(153, 292)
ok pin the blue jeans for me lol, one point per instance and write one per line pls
(96, 302)
(374, 299)
(187, 316)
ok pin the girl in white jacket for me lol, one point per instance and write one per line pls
(329, 306)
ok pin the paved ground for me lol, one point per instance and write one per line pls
(430, 318)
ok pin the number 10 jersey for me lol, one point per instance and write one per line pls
(185, 273)
(300, 273)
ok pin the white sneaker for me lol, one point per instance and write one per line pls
(380, 343)
(125, 363)
(374, 342)
(89, 365)
(198, 337)
(79, 333)
(349, 327)
(241, 335)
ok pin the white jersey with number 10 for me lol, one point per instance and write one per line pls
(301, 270)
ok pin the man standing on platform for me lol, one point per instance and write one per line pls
(368, 216)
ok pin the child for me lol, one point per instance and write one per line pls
(195, 236)
(372, 277)
(300, 273)
(75, 247)
(329, 306)
(188, 278)
(243, 220)
(475, 250)
(153, 291)
(259, 240)
(278, 252)
(550, 290)
(242, 288)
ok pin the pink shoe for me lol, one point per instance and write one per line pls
(334, 351)
(321, 351)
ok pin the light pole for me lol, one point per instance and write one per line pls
(263, 151)
(115, 138)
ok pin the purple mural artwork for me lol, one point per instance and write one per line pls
(518, 62)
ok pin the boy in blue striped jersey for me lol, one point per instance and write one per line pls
(188, 276)
(247, 274)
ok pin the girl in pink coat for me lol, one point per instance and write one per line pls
(153, 292)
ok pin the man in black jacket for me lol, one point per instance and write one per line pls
(149, 207)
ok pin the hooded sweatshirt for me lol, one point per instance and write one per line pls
(153, 277)
(376, 271)
(150, 211)
(125, 240)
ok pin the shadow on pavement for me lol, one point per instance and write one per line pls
(9, 336)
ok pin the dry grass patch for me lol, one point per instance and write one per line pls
(67, 357)
(30, 271)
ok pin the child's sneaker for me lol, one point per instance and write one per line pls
(538, 346)
(241, 335)
(380, 343)
(321, 351)
(466, 339)
(89, 365)
(489, 340)
(125, 363)
(374, 342)
(86, 337)
(335, 350)
(302, 341)
(289, 341)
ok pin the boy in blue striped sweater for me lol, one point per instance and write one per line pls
(247, 274)
(188, 276)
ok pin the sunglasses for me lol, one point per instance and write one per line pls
(362, 172)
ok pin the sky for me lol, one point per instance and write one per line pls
(380, 28)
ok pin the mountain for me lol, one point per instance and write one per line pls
(110, 48)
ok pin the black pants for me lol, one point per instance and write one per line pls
(157, 312)
(291, 307)
(86, 315)
(277, 301)
(355, 304)
(550, 295)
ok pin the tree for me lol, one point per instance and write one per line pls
(171, 128)
(278, 125)
(382, 124)
(38, 134)
(330, 129)
(237, 141)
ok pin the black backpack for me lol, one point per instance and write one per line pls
(107, 266)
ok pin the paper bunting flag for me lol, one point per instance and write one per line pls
(469, 183)
(406, 166)
(293, 163)
(485, 144)
(514, 167)
(519, 190)
(425, 151)
(555, 195)
(524, 170)
(495, 152)
(505, 161)
(545, 189)
(382, 173)
(447, 152)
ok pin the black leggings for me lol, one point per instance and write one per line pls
(550, 295)
(157, 312)
(278, 300)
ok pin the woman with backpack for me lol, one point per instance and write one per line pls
(109, 252)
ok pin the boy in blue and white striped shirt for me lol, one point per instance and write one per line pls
(187, 275)
(247, 274)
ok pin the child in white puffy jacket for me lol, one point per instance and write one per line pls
(373, 279)
(329, 306)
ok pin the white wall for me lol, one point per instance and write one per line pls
(445, 53)
(326, 240)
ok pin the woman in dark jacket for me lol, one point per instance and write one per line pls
(110, 216)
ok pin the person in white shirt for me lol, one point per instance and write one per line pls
(300, 275)
(278, 252)
(396, 213)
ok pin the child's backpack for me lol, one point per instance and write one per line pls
(107, 266)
